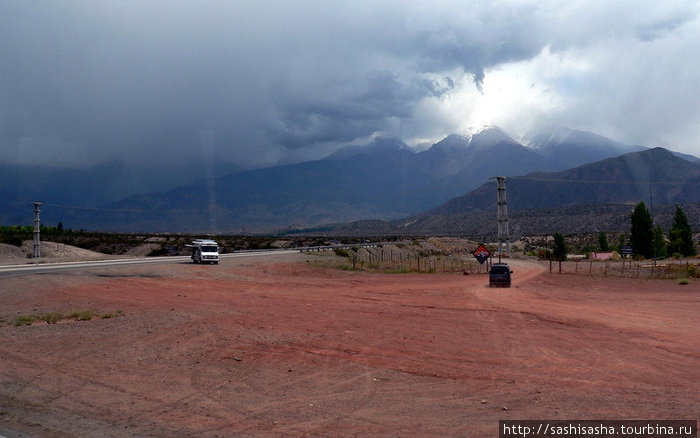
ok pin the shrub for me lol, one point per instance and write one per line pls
(52, 317)
(81, 315)
(14, 241)
(398, 271)
(341, 252)
(23, 320)
(162, 251)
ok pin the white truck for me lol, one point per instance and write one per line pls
(204, 251)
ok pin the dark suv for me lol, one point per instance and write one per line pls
(500, 275)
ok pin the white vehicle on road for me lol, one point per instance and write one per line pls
(204, 251)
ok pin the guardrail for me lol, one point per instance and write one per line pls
(315, 248)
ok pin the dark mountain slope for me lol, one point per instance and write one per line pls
(463, 162)
(383, 180)
(593, 197)
(629, 178)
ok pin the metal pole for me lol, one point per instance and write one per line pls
(37, 229)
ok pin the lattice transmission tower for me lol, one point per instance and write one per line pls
(37, 229)
(503, 233)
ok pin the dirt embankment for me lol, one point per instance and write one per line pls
(53, 252)
(281, 347)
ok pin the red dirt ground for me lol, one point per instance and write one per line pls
(282, 347)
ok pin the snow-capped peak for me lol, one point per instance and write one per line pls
(474, 130)
(486, 136)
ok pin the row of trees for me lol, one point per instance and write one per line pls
(651, 242)
(647, 240)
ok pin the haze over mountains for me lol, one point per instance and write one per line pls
(384, 180)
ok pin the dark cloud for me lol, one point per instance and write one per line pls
(347, 111)
(93, 81)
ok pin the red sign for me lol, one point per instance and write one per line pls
(481, 254)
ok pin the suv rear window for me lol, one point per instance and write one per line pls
(500, 270)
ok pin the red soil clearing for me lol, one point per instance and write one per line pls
(280, 347)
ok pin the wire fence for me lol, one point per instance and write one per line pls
(388, 259)
(628, 268)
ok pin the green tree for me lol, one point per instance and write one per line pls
(560, 249)
(603, 241)
(621, 240)
(681, 236)
(642, 232)
(659, 242)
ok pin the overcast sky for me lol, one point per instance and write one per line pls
(260, 81)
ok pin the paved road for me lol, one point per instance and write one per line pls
(40, 268)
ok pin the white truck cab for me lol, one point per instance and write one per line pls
(204, 251)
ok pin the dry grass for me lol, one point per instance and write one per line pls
(53, 317)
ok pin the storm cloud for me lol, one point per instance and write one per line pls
(84, 82)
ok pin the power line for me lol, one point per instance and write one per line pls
(577, 181)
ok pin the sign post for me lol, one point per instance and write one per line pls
(481, 254)
(626, 250)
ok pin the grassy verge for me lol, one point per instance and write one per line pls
(55, 317)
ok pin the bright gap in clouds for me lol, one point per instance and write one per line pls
(516, 97)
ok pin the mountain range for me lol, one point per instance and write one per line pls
(385, 180)
(589, 198)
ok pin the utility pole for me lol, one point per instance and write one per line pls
(503, 233)
(651, 213)
(37, 228)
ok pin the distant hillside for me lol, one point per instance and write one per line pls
(88, 188)
(384, 180)
(575, 219)
(589, 198)
(625, 179)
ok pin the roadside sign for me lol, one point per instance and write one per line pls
(481, 254)
(626, 250)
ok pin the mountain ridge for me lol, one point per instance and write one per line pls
(383, 180)
(593, 197)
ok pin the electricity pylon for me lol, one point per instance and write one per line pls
(503, 233)
(37, 228)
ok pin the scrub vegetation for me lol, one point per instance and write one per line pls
(54, 317)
